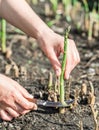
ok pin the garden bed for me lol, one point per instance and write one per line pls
(27, 54)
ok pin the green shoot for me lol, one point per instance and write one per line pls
(3, 35)
(66, 2)
(35, 2)
(54, 5)
(74, 1)
(67, 6)
(86, 6)
(62, 93)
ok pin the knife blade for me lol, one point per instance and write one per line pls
(51, 103)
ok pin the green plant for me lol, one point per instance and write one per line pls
(54, 5)
(86, 7)
(35, 2)
(67, 7)
(3, 35)
(62, 93)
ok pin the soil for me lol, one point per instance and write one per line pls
(26, 53)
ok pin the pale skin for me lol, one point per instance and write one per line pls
(13, 97)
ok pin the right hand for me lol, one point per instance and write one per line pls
(53, 45)
(14, 99)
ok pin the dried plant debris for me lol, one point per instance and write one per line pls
(76, 97)
(92, 106)
(50, 81)
(52, 96)
(22, 72)
(8, 53)
(68, 86)
(12, 69)
(80, 125)
(15, 71)
(52, 89)
(95, 116)
(90, 95)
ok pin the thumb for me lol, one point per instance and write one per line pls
(55, 62)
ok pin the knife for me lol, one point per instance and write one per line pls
(51, 103)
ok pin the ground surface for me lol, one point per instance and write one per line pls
(27, 53)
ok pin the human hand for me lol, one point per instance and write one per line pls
(13, 99)
(53, 44)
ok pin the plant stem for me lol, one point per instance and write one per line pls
(54, 5)
(50, 81)
(35, 2)
(63, 66)
(3, 35)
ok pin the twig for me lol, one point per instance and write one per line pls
(91, 60)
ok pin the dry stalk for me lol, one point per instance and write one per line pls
(56, 85)
(96, 29)
(95, 114)
(68, 89)
(23, 72)
(83, 89)
(15, 70)
(81, 125)
(7, 69)
(91, 101)
(12, 69)
(91, 97)
(52, 90)
(50, 81)
(76, 96)
(83, 92)
(52, 96)
(91, 87)
(8, 53)
(47, 9)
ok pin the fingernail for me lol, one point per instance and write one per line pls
(35, 107)
(57, 72)
(30, 96)
(67, 76)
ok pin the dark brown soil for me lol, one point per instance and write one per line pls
(27, 53)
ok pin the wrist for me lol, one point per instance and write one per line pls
(44, 33)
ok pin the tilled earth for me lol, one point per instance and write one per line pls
(27, 54)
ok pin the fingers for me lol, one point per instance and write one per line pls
(11, 112)
(8, 113)
(17, 102)
(14, 99)
(22, 90)
(25, 103)
(22, 98)
(72, 58)
(5, 116)
(54, 61)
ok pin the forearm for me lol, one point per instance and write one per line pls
(19, 14)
